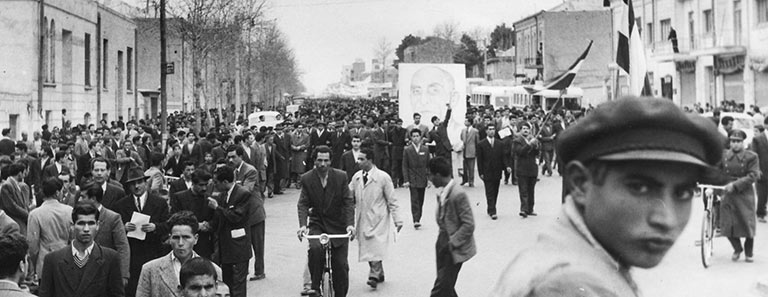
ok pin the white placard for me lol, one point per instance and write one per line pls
(138, 219)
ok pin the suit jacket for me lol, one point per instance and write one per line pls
(260, 161)
(322, 139)
(112, 235)
(247, 176)
(760, 147)
(218, 152)
(340, 142)
(50, 171)
(440, 136)
(12, 290)
(193, 155)
(492, 161)
(100, 276)
(205, 146)
(176, 168)
(231, 217)
(47, 231)
(159, 278)
(454, 216)
(525, 157)
(333, 206)
(380, 144)
(415, 166)
(396, 135)
(198, 205)
(111, 196)
(124, 163)
(13, 203)
(349, 164)
(282, 156)
(469, 135)
(142, 251)
(83, 168)
(7, 225)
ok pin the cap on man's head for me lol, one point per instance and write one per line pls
(642, 128)
(737, 134)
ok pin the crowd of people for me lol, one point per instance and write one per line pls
(116, 210)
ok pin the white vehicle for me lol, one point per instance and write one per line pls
(264, 119)
(741, 121)
(519, 97)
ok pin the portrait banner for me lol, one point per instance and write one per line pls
(427, 88)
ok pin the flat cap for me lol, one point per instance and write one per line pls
(642, 128)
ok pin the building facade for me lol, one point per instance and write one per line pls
(432, 50)
(73, 55)
(721, 50)
(548, 42)
(180, 82)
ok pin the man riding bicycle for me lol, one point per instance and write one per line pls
(325, 190)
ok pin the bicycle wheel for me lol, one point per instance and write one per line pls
(707, 236)
(327, 285)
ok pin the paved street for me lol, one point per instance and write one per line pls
(410, 268)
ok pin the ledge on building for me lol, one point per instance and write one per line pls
(104, 90)
(87, 88)
(129, 92)
(49, 85)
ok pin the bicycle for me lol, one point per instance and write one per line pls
(709, 220)
(326, 283)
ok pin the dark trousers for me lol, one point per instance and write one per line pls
(491, 193)
(749, 243)
(377, 271)
(527, 186)
(469, 170)
(417, 202)
(257, 243)
(762, 196)
(513, 173)
(546, 158)
(397, 171)
(234, 276)
(339, 265)
(447, 271)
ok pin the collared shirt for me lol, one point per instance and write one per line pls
(104, 187)
(238, 168)
(356, 154)
(177, 263)
(229, 193)
(490, 140)
(188, 183)
(444, 192)
(85, 254)
(417, 146)
(142, 200)
(58, 166)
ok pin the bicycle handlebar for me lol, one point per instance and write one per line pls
(711, 187)
(329, 236)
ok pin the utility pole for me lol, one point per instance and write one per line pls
(163, 76)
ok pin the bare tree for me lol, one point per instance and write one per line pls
(448, 30)
(383, 50)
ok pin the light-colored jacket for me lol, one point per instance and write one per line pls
(156, 179)
(565, 258)
(47, 230)
(377, 207)
(159, 279)
(8, 289)
(470, 138)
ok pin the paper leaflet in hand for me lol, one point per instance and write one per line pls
(138, 219)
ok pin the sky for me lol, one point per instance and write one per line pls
(328, 34)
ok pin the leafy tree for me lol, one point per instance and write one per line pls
(502, 38)
(468, 54)
(405, 43)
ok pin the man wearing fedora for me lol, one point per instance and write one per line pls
(141, 201)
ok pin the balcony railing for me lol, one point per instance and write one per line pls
(686, 44)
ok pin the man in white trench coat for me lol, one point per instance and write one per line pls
(376, 209)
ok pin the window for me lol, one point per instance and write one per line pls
(737, 22)
(666, 26)
(639, 25)
(708, 21)
(45, 49)
(691, 30)
(87, 60)
(129, 68)
(52, 51)
(105, 64)
(762, 11)
(649, 34)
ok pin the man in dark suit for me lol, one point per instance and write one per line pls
(340, 142)
(185, 182)
(12, 200)
(439, 135)
(54, 169)
(194, 200)
(84, 268)
(13, 247)
(492, 158)
(206, 144)
(231, 208)
(396, 136)
(415, 160)
(100, 169)
(760, 147)
(142, 201)
(175, 164)
(112, 233)
(282, 158)
(84, 162)
(220, 152)
(381, 145)
(526, 148)
(455, 241)
(7, 145)
(349, 158)
(318, 137)
(326, 191)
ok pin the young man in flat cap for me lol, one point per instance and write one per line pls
(632, 167)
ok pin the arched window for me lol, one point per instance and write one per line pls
(45, 49)
(52, 43)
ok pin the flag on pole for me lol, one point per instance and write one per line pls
(630, 55)
(563, 81)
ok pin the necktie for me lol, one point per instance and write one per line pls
(138, 203)
(365, 177)
(81, 262)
